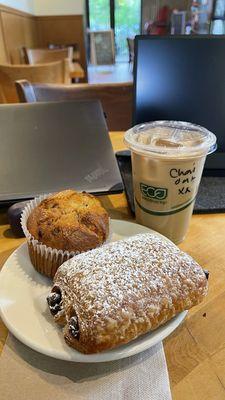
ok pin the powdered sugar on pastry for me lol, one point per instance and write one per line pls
(111, 295)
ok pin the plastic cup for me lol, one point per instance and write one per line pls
(167, 162)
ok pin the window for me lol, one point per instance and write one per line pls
(123, 16)
(218, 18)
(99, 15)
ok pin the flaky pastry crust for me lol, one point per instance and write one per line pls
(113, 294)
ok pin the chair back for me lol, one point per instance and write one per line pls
(55, 72)
(40, 56)
(116, 98)
(76, 51)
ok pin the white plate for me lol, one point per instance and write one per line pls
(24, 309)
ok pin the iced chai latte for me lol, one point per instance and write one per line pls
(167, 162)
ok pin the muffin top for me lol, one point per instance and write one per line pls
(69, 220)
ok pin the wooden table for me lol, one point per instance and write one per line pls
(195, 352)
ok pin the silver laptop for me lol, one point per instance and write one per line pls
(47, 147)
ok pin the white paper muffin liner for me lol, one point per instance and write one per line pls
(45, 260)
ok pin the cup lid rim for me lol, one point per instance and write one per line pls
(206, 147)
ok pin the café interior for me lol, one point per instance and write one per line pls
(91, 95)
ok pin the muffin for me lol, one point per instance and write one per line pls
(61, 225)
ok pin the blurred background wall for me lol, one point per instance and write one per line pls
(58, 7)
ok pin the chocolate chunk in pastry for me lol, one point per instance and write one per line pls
(113, 294)
(74, 327)
(206, 273)
(54, 300)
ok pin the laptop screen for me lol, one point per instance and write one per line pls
(181, 78)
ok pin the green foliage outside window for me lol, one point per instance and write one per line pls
(99, 14)
(127, 20)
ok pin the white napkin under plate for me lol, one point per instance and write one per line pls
(26, 374)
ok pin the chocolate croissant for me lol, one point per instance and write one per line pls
(111, 295)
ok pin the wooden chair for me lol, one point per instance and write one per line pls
(40, 56)
(55, 72)
(76, 51)
(116, 98)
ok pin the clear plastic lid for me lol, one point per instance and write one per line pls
(170, 138)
